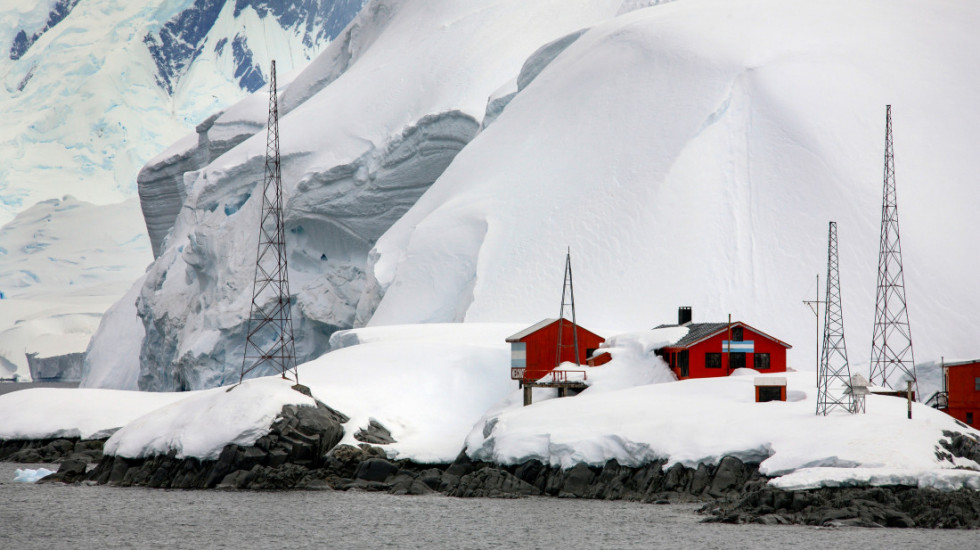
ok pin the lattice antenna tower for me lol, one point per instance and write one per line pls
(567, 306)
(833, 374)
(892, 359)
(269, 345)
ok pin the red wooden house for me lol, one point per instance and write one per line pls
(716, 349)
(534, 350)
(961, 383)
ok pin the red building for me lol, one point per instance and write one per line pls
(961, 383)
(534, 350)
(710, 350)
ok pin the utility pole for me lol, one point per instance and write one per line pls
(269, 342)
(815, 308)
(892, 356)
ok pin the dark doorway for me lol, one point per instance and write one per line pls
(736, 361)
(770, 393)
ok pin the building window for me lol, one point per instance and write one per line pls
(518, 355)
(762, 361)
(712, 360)
(683, 361)
(969, 418)
(976, 383)
(736, 334)
(736, 361)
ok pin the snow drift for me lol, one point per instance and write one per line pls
(692, 154)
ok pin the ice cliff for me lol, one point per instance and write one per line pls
(439, 157)
(90, 91)
(365, 130)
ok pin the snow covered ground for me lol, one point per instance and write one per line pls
(438, 388)
(692, 153)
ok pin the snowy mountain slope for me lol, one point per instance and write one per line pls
(692, 154)
(101, 86)
(364, 131)
(60, 268)
(91, 90)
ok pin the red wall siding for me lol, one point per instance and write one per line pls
(697, 369)
(542, 347)
(963, 396)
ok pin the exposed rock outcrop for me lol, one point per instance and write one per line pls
(50, 450)
(289, 456)
(894, 506)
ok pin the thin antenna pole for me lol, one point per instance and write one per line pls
(567, 303)
(269, 342)
(815, 308)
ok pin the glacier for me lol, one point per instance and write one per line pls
(349, 173)
(90, 92)
(689, 153)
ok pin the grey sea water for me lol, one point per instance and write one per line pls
(81, 517)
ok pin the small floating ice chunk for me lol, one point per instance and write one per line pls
(27, 475)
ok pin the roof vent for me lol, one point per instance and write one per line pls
(683, 316)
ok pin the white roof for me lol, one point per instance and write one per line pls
(530, 330)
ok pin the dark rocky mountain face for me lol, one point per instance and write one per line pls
(23, 42)
(183, 38)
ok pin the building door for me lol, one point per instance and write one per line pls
(770, 393)
(683, 361)
(736, 361)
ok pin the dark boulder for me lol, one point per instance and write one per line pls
(70, 471)
(375, 434)
(375, 469)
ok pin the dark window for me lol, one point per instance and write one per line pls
(589, 352)
(736, 334)
(736, 361)
(683, 362)
(712, 360)
(969, 418)
(762, 361)
(770, 393)
(976, 383)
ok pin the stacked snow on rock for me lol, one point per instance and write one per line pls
(61, 266)
(47, 413)
(364, 131)
(441, 389)
(205, 421)
(695, 421)
(692, 153)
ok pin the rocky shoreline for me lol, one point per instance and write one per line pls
(50, 450)
(301, 452)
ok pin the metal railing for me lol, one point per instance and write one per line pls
(556, 376)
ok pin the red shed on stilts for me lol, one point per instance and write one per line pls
(534, 351)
